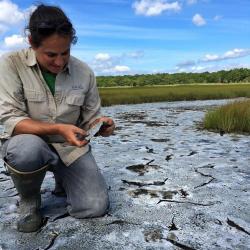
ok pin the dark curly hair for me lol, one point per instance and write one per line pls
(48, 20)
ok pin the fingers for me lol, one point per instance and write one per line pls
(107, 121)
(74, 135)
(80, 132)
(108, 126)
(108, 130)
(78, 137)
(80, 143)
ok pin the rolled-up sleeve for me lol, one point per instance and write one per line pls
(12, 103)
(91, 109)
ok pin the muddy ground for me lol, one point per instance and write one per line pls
(171, 186)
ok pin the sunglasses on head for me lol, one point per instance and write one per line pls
(49, 27)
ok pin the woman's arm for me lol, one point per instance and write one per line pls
(69, 132)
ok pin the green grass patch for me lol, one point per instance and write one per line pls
(134, 95)
(230, 118)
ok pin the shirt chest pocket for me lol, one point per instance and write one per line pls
(75, 100)
(37, 105)
(34, 96)
(72, 108)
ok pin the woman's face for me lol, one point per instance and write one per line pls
(53, 53)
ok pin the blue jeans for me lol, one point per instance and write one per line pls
(83, 182)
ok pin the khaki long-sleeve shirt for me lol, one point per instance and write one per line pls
(24, 94)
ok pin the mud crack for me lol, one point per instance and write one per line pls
(3, 179)
(168, 157)
(121, 222)
(205, 175)
(189, 202)
(5, 173)
(172, 226)
(180, 245)
(8, 196)
(152, 193)
(161, 140)
(233, 224)
(61, 216)
(141, 169)
(156, 235)
(141, 184)
(52, 240)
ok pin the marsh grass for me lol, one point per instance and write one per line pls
(134, 95)
(233, 117)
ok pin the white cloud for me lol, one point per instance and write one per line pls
(27, 12)
(103, 63)
(10, 13)
(14, 41)
(210, 57)
(193, 68)
(198, 20)
(199, 68)
(106, 64)
(121, 69)
(102, 57)
(117, 70)
(235, 66)
(213, 68)
(155, 7)
(235, 53)
(196, 66)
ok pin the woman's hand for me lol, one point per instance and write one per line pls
(107, 128)
(72, 134)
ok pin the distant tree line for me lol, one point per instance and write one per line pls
(240, 75)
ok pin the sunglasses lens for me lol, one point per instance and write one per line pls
(65, 27)
(50, 28)
(45, 28)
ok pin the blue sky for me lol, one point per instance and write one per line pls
(117, 37)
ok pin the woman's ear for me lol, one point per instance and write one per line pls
(30, 42)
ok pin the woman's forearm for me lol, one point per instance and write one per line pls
(68, 131)
(29, 126)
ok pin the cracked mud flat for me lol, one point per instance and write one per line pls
(171, 186)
